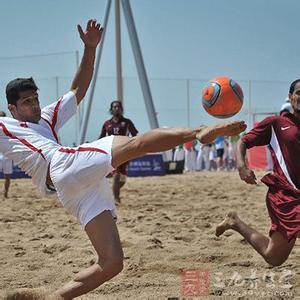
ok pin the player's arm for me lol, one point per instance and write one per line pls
(245, 173)
(133, 131)
(103, 132)
(260, 135)
(91, 37)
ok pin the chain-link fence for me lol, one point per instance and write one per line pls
(177, 101)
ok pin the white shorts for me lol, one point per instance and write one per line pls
(6, 166)
(79, 177)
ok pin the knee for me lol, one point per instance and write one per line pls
(116, 265)
(113, 265)
(274, 260)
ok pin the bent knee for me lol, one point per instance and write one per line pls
(113, 265)
(275, 261)
(116, 266)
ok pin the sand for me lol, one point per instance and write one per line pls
(166, 226)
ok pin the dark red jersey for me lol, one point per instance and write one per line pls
(282, 134)
(123, 127)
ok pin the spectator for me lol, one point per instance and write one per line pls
(118, 125)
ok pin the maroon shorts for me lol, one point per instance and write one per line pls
(283, 203)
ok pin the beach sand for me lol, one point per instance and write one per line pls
(167, 228)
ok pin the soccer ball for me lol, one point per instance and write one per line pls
(222, 97)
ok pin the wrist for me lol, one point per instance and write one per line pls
(88, 47)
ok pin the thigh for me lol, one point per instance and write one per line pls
(279, 246)
(123, 150)
(104, 236)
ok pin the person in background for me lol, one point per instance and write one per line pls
(190, 156)
(203, 157)
(286, 106)
(6, 166)
(232, 144)
(179, 153)
(212, 157)
(118, 125)
(220, 148)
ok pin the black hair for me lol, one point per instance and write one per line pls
(2, 114)
(18, 85)
(118, 102)
(292, 86)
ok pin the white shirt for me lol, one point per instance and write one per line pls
(31, 146)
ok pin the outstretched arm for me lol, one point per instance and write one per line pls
(245, 173)
(91, 37)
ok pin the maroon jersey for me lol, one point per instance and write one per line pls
(282, 134)
(123, 127)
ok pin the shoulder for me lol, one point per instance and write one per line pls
(268, 121)
(8, 120)
(128, 121)
(107, 122)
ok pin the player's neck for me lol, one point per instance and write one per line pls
(116, 118)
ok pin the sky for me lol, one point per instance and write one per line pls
(184, 44)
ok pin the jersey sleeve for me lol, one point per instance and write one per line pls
(59, 112)
(133, 131)
(260, 134)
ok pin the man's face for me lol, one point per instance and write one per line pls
(116, 109)
(295, 98)
(27, 108)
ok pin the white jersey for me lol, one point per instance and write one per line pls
(31, 146)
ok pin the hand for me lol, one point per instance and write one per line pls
(247, 175)
(91, 37)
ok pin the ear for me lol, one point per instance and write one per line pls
(13, 109)
(290, 96)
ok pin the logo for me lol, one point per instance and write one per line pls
(285, 128)
(195, 282)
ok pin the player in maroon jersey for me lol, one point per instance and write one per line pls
(118, 125)
(282, 134)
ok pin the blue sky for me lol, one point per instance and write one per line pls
(253, 40)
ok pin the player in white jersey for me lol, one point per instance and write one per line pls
(30, 139)
(6, 166)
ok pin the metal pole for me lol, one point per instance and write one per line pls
(140, 64)
(56, 86)
(89, 103)
(188, 101)
(118, 52)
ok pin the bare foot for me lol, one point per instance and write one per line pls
(5, 194)
(209, 133)
(229, 223)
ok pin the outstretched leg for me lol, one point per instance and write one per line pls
(162, 139)
(274, 250)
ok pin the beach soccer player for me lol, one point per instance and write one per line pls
(6, 166)
(282, 135)
(118, 125)
(78, 175)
